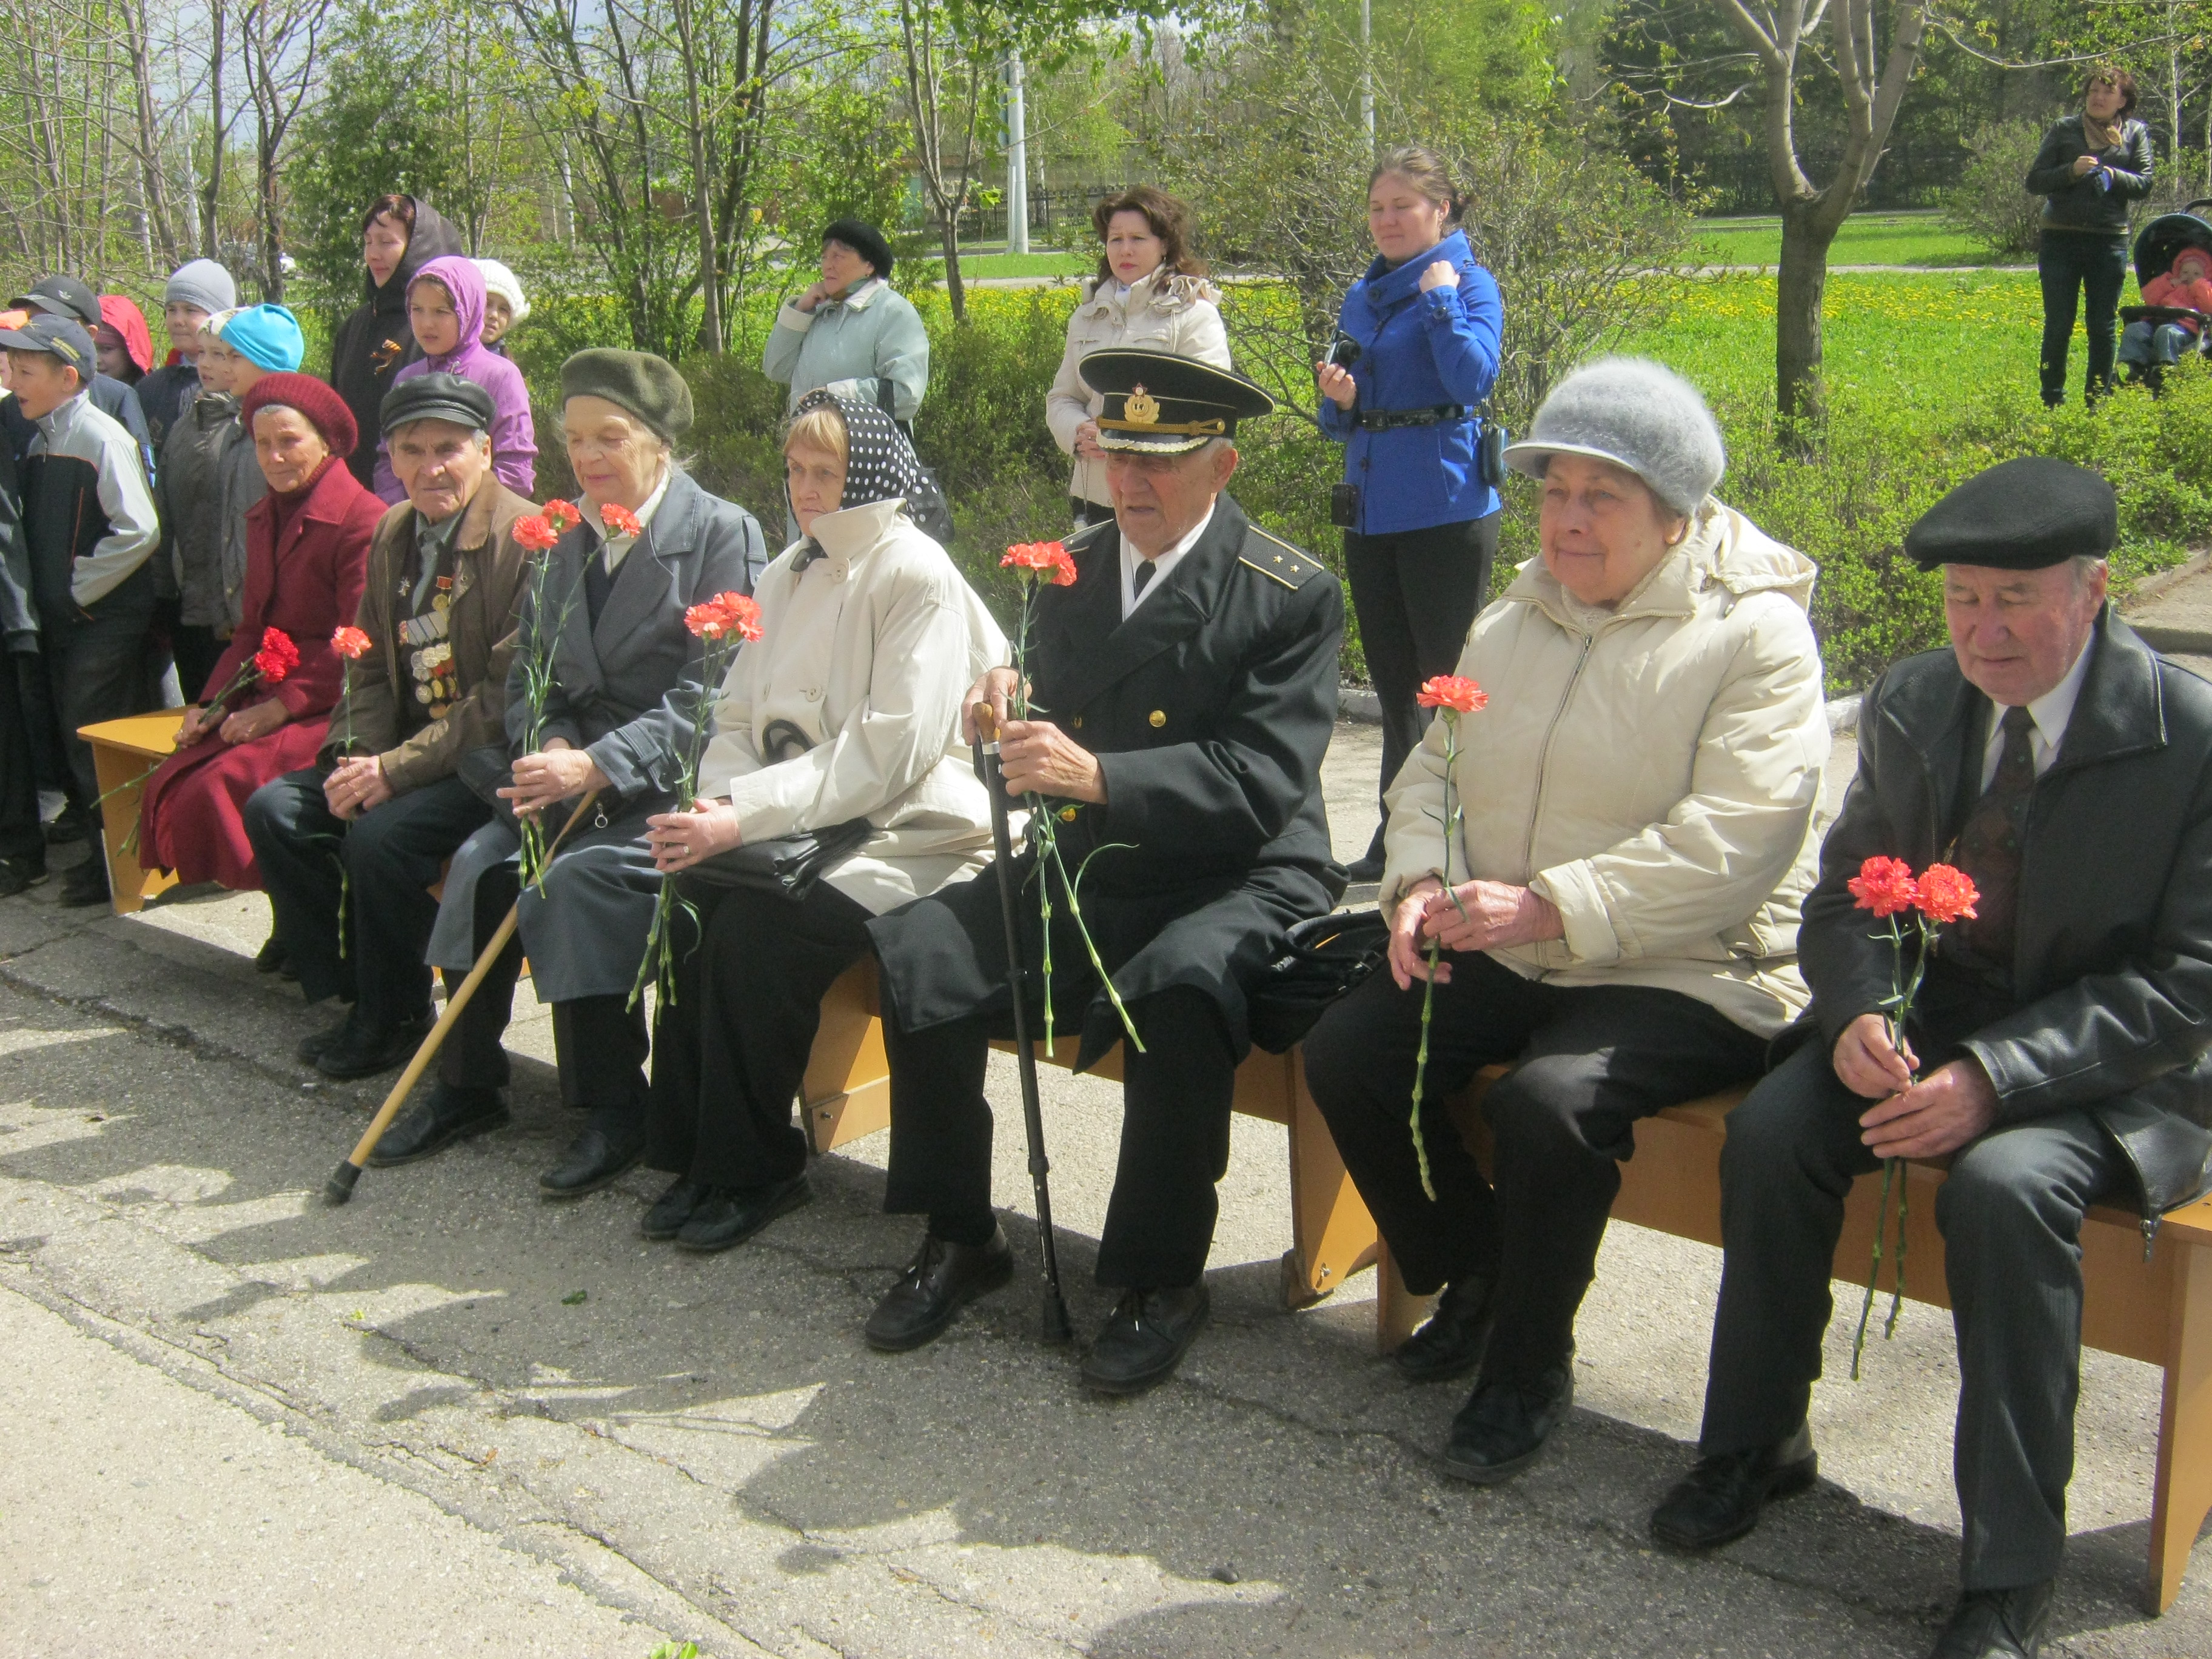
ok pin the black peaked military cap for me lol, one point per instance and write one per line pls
(2023, 514)
(1168, 405)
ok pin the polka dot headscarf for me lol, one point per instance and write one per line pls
(879, 463)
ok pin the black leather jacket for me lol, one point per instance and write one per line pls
(2072, 203)
(2111, 1005)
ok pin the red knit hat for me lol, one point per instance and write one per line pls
(324, 409)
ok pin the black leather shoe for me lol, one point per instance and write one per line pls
(2006, 1624)
(1145, 1338)
(431, 1126)
(361, 1052)
(594, 1159)
(1502, 1426)
(673, 1208)
(85, 884)
(1720, 1499)
(316, 1044)
(1451, 1342)
(732, 1215)
(68, 827)
(19, 875)
(941, 1279)
(271, 956)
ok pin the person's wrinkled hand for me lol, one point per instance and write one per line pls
(1038, 759)
(1868, 1064)
(556, 773)
(1441, 273)
(1951, 1106)
(1409, 959)
(1086, 442)
(1491, 915)
(355, 785)
(985, 704)
(2084, 164)
(257, 722)
(680, 840)
(197, 726)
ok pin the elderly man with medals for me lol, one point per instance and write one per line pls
(1184, 687)
(2056, 1052)
(368, 828)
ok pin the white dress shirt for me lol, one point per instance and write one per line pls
(1131, 598)
(613, 549)
(2049, 713)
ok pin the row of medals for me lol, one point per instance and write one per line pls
(432, 662)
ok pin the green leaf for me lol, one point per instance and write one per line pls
(573, 1299)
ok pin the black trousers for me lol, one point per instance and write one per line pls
(729, 1051)
(391, 854)
(1591, 1061)
(2076, 269)
(1415, 594)
(96, 671)
(21, 836)
(197, 650)
(1174, 1134)
(2010, 1211)
(598, 1044)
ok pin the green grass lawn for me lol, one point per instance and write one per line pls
(1867, 238)
(976, 266)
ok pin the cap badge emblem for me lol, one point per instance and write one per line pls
(1141, 407)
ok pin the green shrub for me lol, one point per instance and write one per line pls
(1990, 203)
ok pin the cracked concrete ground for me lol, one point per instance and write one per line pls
(451, 1417)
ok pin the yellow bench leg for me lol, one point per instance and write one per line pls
(1333, 1235)
(2181, 1495)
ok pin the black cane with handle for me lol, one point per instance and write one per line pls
(1057, 1328)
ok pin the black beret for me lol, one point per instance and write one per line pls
(436, 397)
(648, 387)
(864, 239)
(2023, 514)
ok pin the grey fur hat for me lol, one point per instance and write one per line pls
(1636, 414)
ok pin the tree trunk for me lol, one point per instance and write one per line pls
(955, 291)
(211, 192)
(1802, 280)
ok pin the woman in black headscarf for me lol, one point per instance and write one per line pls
(398, 236)
(846, 712)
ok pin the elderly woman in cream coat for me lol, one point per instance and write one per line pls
(1620, 925)
(843, 716)
(1150, 292)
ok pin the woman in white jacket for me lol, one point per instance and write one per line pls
(847, 707)
(1621, 923)
(1150, 292)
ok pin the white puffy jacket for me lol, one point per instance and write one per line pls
(1655, 778)
(1163, 312)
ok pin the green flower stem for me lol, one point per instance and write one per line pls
(657, 965)
(1450, 822)
(1889, 1169)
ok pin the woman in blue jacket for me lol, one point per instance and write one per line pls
(1421, 521)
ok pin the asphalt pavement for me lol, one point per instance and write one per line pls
(453, 1418)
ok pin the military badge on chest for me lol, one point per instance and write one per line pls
(430, 659)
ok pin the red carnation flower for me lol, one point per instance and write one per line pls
(726, 613)
(350, 643)
(1946, 894)
(619, 519)
(1049, 560)
(563, 516)
(1884, 886)
(1452, 691)
(534, 533)
(277, 656)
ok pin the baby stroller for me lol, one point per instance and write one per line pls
(2157, 246)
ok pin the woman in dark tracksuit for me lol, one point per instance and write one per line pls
(1422, 526)
(2092, 167)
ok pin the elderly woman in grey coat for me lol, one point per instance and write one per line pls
(608, 617)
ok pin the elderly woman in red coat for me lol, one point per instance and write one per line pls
(306, 558)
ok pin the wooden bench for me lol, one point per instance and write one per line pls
(123, 752)
(2159, 1311)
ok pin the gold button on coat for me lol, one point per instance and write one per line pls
(1159, 719)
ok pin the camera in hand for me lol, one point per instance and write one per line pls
(1343, 351)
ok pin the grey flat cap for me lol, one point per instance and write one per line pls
(1636, 414)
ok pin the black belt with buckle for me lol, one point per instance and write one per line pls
(1388, 420)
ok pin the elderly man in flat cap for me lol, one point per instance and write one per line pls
(2057, 1052)
(1187, 681)
(385, 804)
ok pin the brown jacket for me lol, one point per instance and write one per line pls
(491, 576)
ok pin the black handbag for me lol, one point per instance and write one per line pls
(1325, 958)
(788, 864)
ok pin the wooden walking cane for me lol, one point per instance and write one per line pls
(1056, 1327)
(339, 1187)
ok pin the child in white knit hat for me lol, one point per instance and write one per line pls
(504, 303)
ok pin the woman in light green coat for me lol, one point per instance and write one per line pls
(850, 331)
